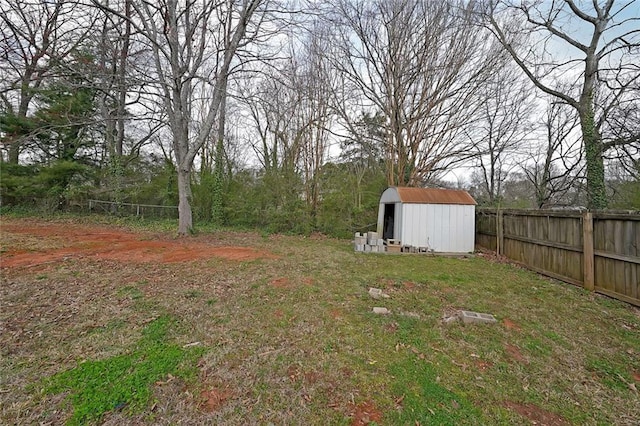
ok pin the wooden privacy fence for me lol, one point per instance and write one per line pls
(599, 251)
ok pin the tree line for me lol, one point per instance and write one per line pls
(294, 116)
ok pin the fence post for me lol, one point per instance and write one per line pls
(587, 252)
(499, 232)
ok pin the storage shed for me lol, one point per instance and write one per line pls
(440, 220)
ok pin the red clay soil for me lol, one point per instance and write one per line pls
(510, 325)
(282, 282)
(335, 314)
(409, 285)
(537, 415)
(483, 365)
(515, 354)
(214, 399)
(104, 243)
(365, 413)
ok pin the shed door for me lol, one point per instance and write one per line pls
(388, 221)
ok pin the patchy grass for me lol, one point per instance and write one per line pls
(425, 401)
(291, 339)
(123, 381)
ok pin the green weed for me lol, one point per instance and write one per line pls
(425, 400)
(131, 292)
(124, 381)
(537, 347)
(609, 373)
(193, 294)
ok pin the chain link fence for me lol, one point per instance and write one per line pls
(131, 209)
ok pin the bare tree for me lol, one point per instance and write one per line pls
(600, 53)
(273, 103)
(115, 55)
(622, 130)
(316, 83)
(419, 63)
(362, 151)
(291, 116)
(193, 44)
(501, 129)
(553, 168)
(34, 38)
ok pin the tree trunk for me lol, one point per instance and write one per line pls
(596, 194)
(185, 219)
(14, 152)
(217, 204)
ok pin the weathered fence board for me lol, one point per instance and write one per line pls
(596, 250)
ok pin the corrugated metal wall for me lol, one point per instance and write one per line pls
(440, 227)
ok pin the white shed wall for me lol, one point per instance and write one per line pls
(440, 227)
(399, 220)
(380, 227)
(390, 195)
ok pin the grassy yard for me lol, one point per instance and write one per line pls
(288, 337)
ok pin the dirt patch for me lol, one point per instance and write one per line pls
(537, 415)
(214, 399)
(346, 372)
(409, 285)
(312, 377)
(636, 376)
(335, 314)
(515, 354)
(122, 246)
(493, 257)
(386, 283)
(510, 325)
(318, 236)
(483, 365)
(392, 327)
(293, 372)
(282, 282)
(364, 413)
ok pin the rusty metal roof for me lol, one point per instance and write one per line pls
(434, 196)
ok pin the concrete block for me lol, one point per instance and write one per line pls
(380, 242)
(469, 317)
(450, 320)
(372, 238)
(393, 249)
(367, 248)
(377, 293)
(381, 311)
(393, 242)
(374, 249)
(359, 247)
